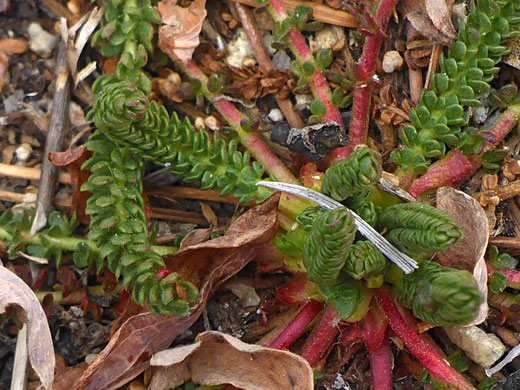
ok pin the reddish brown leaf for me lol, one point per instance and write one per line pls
(180, 34)
(67, 377)
(206, 265)
(217, 358)
(196, 236)
(72, 160)
(15, 292)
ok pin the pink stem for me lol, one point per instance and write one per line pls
(252, 141)
(297, 326)
(512, 276)
(455, 168)
(293, 293)
(362, 94)
(322, 336)
(374, 328)
(381, 362)
(438, 368)
(319, 85)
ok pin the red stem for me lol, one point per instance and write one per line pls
(297, 326)
(455, 168)
(318, 83)
(293, 292)
(438, 368)
(381, 362)
(362, 94)
(512, 276)
(322, 336)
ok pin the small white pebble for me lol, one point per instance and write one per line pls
(199, 122)
(211, 122)
(392, 61)
(303, 101)
(275, 115)
(23, 152)
(327, 38)
(480, 114)
(238, 49)
(41, 41)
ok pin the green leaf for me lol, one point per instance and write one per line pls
(324, 58)
(497, 282)
(318, 108)
(308, 68)
(345, 296)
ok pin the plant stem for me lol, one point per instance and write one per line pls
(252, 141)
(298, 325)
(322, 336)
(381, 362)
(261, 55)
(455, 168)
(438, 368)
(70, 244)
(512, 276)
(358, 131)
(318, 83)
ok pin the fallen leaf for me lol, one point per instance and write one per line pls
(217, 358)
(8, 47)
(67, 377)
(179, 36)
(432, 18)
(72, 160)
(196, 236)
(206, 265)
(468, 253)
(15, 292)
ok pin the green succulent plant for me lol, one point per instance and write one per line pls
(129, 119)
(327, 245)
(364, 260)
(418, 228)
(465, 73)
(441, 296)
(353, 177)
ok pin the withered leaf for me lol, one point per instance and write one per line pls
(179, 36)
(432, 18)
(72, 160)
(216, 358)
(206, 265)
(469, 252)
(15, 292)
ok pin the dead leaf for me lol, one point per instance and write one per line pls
(216, 358)
(15, 292)
(440, 15)
(206, 265)
(67, 377)
(196, 236)
(468, 253)
(209, 214)
(72, 160)
(8, 47)
(180, 34)
(432, 18)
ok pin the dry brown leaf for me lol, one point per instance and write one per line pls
(469, 252)
(440, 15)
(180, 34)
(432, 18)
(196, 236)
(67, 377)
(8, 47)
(216, 358)
(206, 265)
(72, 160)
(15, 292)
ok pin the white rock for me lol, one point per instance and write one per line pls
(268, 42)
(40, 40)
(23, 152)
(392, 61)
(326, 38)
(199, 123)
(275, 115)
(211, 122)
(238, 49)
(302, 101)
